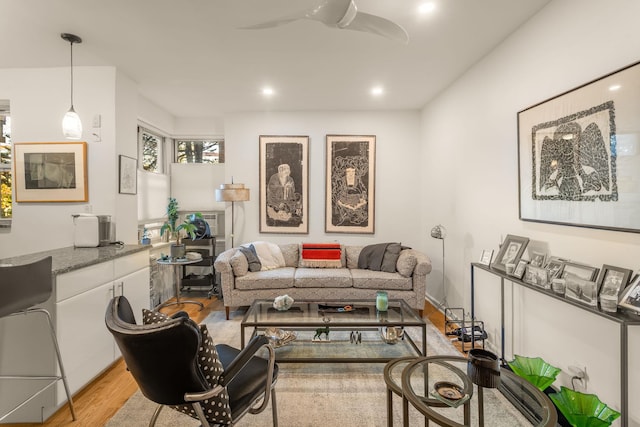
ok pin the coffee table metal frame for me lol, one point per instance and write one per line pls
(315, 317)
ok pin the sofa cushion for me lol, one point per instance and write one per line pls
(370, 279)
(352, 254)
(290, 254)
(280, 278)
(323, 278)
(239, 264)
(406, 263)
(390, 258)
(269, 254)
(252, 258)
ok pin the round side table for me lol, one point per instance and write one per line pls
(177, 267)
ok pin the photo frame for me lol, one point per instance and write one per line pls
(520, 269)
(537, 276)
(612, 280)
(630, 298)
(284, 184)
(580, 283)
(538, 259)
(510, 252)
(50, 172)
(486, 256)
(582, 271)
(593, 127)
(128, 175)
(350, 184)
(554, 266)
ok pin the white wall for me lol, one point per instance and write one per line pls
(397, 166)
(469, 137)
(39, 98)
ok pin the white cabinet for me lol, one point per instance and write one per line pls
(82, 296)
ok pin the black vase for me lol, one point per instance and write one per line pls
(483, 368)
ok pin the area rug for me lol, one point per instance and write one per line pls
(320, 394)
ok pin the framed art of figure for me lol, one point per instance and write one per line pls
(630, 297)
(128, 175)
(350, 184)
(612, 280)
(576, 148)
(50, 172)
(510, 252)
(485, 258)
(520, 269)
(284, 184)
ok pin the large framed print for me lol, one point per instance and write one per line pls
(284, 184)
(350, 184)
(50, 172)
(578, 153)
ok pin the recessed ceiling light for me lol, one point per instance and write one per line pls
(267, 91)
(427, 7)
(377, 91)
(614, 87)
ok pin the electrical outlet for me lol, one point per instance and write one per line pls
(88, 208)
(578, 371)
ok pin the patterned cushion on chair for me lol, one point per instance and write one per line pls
(216, 409)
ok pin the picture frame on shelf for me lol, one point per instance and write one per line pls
(128, 175)
(612, 280)
(510, 252)
(554, 266)
(538, 259)
(568, 155)
(584, 272)
(537, 276)
(630, 297)
(284, 184)
(50, 172)
(350, 184)
(486, 256)
(520, 269)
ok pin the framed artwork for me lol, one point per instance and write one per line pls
(128, 175)
(510, 252)
(350, 184)
(554, 267)
(582, 271)
(520, 269)
(537, 276)
(630, 297)
(485, 258)
(575, 148)
(284, 184)
(538, 259)
(580, 283)
(50, 172)
(612, 280)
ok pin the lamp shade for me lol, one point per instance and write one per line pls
(71, 125)
(438, 232)
(232, 193)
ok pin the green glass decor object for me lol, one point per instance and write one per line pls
(535, 370)
(583, 410)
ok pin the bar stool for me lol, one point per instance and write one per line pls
(22, 287)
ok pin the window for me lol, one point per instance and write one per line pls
(5, 163)
(151, 148)
(199, 151)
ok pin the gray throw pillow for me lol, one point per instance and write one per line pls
(406, 263)
(239, 264)
(390, 258)
(252, 258)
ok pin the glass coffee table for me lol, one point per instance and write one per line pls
(333, 331)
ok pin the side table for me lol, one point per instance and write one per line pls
(177, 267)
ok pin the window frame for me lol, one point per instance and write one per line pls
(161, 162)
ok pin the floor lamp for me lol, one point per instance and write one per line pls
(232, 193)
(439, 232)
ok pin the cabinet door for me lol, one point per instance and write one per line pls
(86, 345)
(135, 287)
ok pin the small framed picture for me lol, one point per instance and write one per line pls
(520, 269)
(630, 298)
(510, 252)
(584, 272)
(612, 280)
(485, 258)
(537, 276)
(538, 259)
(554, 267)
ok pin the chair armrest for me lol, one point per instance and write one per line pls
(179, 314)
(244, 356)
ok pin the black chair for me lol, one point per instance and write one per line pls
(22, 287)
(163, 359)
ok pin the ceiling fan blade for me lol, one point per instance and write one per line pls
(273, 23)
(378, 25)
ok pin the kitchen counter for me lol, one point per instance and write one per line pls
(72, 258)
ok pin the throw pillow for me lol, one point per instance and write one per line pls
(320, 255)
(353, 253)
(252, 258)
(269, 254)
(239, 264)
(390, 258)
(216, 409)
(290, 254)
(406, 263)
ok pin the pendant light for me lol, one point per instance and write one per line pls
(71, 124)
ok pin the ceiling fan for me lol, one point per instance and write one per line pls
(344, 15)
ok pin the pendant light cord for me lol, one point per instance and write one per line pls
(71, 43)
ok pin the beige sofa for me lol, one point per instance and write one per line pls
(241, 287)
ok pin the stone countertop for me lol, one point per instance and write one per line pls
(72, 258)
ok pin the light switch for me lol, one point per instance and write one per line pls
(97, 121)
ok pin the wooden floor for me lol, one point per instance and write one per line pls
(102, 398)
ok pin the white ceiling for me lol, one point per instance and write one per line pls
(190, 57)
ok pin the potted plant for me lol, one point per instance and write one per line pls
(178, 249)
